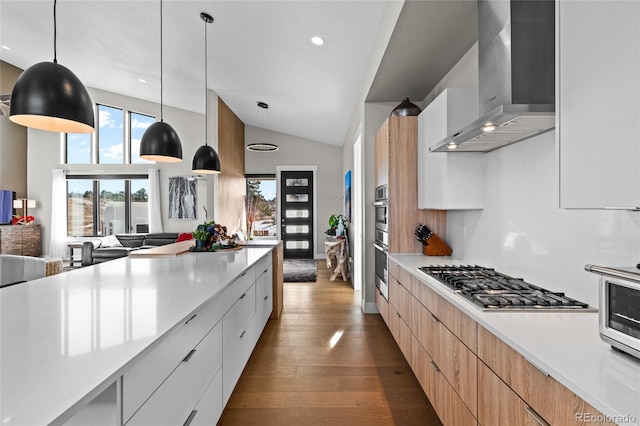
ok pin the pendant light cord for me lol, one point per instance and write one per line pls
(206, 104)
(161, 85)
(55, 33)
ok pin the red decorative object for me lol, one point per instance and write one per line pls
(22, 220)
(184, 236)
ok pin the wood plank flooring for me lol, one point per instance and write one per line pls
(295, 376)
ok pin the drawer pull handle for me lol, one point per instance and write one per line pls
(189, 320)
(243, 296)
(189, 355)
(266, 270)
(537, 368)
(435, 318)
(266, 297)
(398, 314)
(435, 366)
(242, 335)
(243, 274)
(536, 416)
(190, 418)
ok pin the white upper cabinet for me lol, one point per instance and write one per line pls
(449, 181)
(599, 104)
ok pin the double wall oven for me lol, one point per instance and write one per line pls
(381, 243)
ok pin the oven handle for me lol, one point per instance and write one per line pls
(380, 203)
(616, 273)
(380, 248)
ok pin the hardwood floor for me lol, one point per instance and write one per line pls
(296, 377)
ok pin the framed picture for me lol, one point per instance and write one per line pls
(347, 196)
(183, 198)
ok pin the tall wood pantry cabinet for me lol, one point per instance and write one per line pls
(396, 165)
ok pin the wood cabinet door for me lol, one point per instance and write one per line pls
(498, 405)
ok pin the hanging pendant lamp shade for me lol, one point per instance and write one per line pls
(160, 142)
(48, 96)
(206, 158)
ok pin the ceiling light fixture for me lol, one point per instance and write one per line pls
(48, 96)
(160, 142)
(206, 158)
(262, 105)
(262, 147)
(5, 47)
(142, 80)
(318, 41)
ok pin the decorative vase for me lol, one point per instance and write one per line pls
(200, 243)
(406, 108)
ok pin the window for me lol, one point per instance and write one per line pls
(261, 205)
(138, 124)
(114, 143)
(106, 204)
(110, 135)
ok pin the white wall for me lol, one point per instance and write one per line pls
(44, 155)
(295, 151)
(521, 232)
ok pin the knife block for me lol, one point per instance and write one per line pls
(436, 247)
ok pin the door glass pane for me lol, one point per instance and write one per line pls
(80, 208)
(297, 213)
(78, 148)
(140, 205)
(110, 135)
(294, 245)
(261, 207)
(297, 198)
(297, 182)
(293, 229)
(111, 214)
(138, 124)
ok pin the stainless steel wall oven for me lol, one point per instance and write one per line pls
(381, 243)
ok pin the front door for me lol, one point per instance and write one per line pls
(296, 209)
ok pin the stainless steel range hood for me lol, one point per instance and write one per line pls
(516, 63)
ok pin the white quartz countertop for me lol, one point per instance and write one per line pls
(565, 345)
(65, 338)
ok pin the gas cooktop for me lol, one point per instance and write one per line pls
(490, 290)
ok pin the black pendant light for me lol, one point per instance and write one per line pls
(206, 158)
(160, 142)
(48, 96)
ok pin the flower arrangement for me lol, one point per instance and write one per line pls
(211, 236)
(22, 220)
(338, 225)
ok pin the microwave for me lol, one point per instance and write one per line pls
(619, 309)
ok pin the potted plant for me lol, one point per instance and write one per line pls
(338, 225)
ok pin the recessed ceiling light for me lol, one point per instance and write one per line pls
(262, 105)
(142, 80)
(318, 41)
(5, 47)
(452, 145)
(488, 127)
(262, 147)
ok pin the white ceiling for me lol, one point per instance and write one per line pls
(258, 51)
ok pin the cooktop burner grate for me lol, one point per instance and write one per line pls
(491, 290)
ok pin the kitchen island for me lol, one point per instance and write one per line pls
(561, 347)
(75, 345)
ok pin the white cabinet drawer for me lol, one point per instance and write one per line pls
(234, 321)
(146, 375)
(237, 359)
(172, 403)
(262, 264)
(237, 288)
(263, 312)
(209, 408)
(264, 284)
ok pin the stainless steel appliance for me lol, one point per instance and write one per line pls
(490, 290)
(381, 209)
(381, 243)
(619, 307)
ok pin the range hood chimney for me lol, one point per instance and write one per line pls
(516, 62)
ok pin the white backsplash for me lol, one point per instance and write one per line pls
(523, 233)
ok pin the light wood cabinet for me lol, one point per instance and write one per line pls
(383, 306)
(396, 165)
(599, 140)
(550, 399)
(498, 405)
(448, 181)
